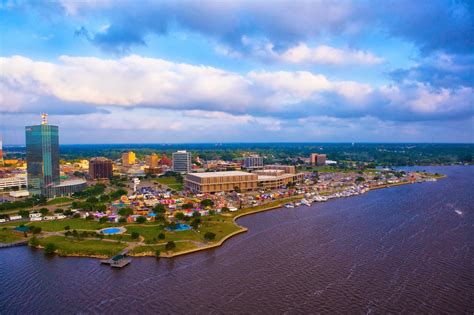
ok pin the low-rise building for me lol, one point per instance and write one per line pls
(100, 168)
(212, 182)
(13, 181)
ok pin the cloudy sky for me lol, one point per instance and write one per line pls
(238, 71)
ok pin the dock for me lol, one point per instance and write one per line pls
(118, 261)
(14, 244)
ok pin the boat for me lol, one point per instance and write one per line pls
(289, 205)
(305, 202)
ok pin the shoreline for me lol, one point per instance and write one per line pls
(241, 229)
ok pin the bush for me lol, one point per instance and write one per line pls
(141, 219)
(135, 235)
(209, 236)
(34, 242)
(103, 219)
(179, 215)
(122, 220)
(170, 246)
(161, 236)
(67, 227)
(36, 230)
(50, 248)
(225, 209)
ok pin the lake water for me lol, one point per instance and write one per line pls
(407, 249)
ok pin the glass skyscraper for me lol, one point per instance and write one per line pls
(42, 157)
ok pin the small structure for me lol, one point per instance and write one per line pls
(118, 261)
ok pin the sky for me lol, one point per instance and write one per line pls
(238, 71)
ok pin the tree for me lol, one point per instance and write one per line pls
(125, 212)
(92, 199)
(207, 203)
(141, 219)
(67, 227)
(135, 235)
(237, 189)
(23, 213)
(34, 242)
(36, 230)
(161, 236)
(187, 206)
(195, 223)
(103, 219)
(170, 246)
(67, 212)
(89, 217)
(159, 208)
(360, 179)
(50, 248)
(122, 220)
(179, 215)
(44, 211)
(157, 253)
(209, 236)
(58, 211)
(225, 209)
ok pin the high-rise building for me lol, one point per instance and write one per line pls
(100, 168)
(318, 159)
(128, 158)
(253, 161)
(1, 151)
(152, 161)
(182, 161)
(42, 158)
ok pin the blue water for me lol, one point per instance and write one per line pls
(180, 227)
(110, 231)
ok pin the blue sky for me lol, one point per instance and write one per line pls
(238, 71)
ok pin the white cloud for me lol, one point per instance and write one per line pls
(323, 54)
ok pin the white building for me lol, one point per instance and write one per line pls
(253, 161)
(182, 162)
(13, 181)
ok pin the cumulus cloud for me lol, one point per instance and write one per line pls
(82, 84)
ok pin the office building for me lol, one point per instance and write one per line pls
(42, 158)
(182, 162)
(253, 161)
(211, 182)
(318, 159)
(277, 176)
(14, 181)
(128, 158)
(100, 168)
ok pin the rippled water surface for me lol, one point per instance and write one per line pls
(403, 249)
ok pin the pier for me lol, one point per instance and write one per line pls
(118, 261)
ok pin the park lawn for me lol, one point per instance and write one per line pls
(171, 182)
(8, 236)
(151, 250)
(221, 229)
(67, 246)
(59, 200)
(183, 235)
(149, 232)
(74, 224)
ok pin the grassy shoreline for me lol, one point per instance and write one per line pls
(224, 226)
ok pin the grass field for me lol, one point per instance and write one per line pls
(74, 224)
(171, 182)
(67, 246)
(151, 250)
(59, 200)
(8, 236)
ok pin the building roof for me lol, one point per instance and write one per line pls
(71, 182)
(220, 174)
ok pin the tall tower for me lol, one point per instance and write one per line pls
(42, 157)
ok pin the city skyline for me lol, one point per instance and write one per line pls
(183, 72)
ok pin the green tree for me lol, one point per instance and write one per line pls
(141, 219)
(103, 219)
(44, 211)
(161, 236)
(67, 227)
(195, 223)
(157, 253)
(170, 246)
(122, 220)
(135, 235)
(179, 215)
(50, 248)
(159, 208)
(209, 236)
(23, 213)
(187, 206)
(36, 230)
(225, 209)
(34, 242)
(125, 212)
(207, 203)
